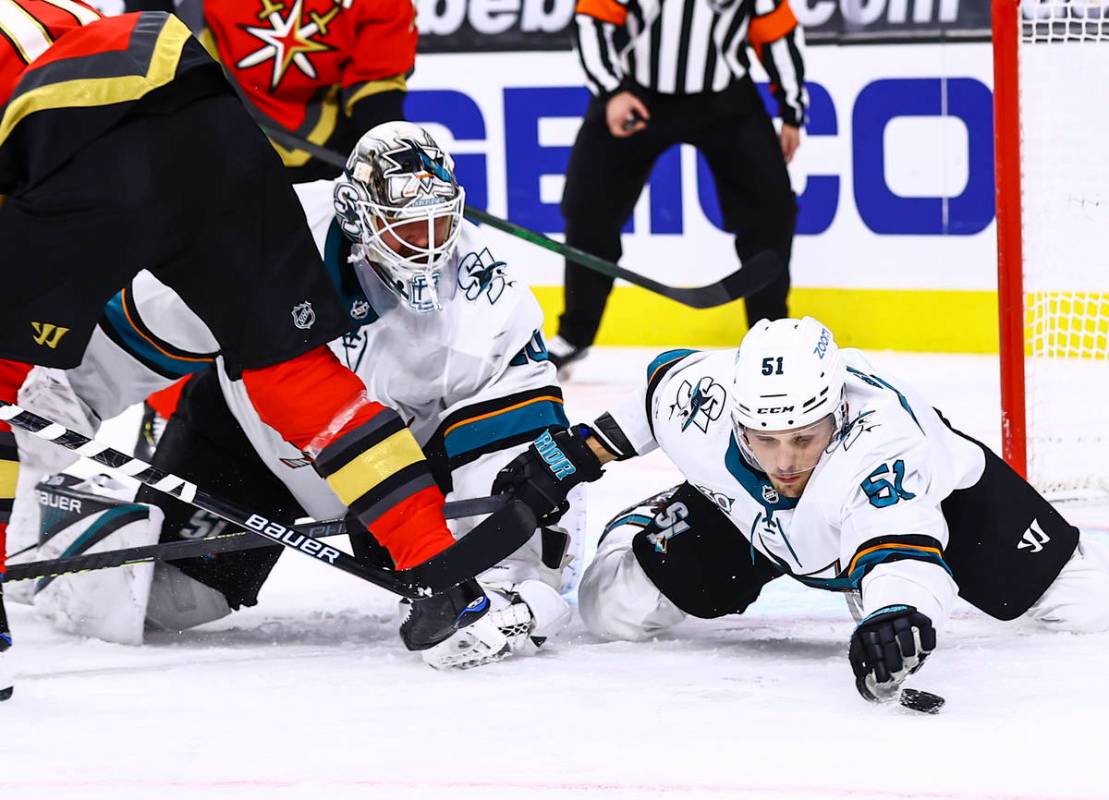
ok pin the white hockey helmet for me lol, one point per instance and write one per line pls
(396, 176)
(788, 374)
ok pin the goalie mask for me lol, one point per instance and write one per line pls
(788, 401)
(399, 201)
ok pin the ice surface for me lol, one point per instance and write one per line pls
(311, 695)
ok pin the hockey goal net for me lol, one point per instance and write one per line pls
(1051, 95)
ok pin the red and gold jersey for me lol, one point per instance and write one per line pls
(67, 74)
(28, 30)
(305, 64)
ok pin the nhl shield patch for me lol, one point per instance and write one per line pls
(304, 316)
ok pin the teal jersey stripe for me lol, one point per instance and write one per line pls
(760, 488)
(874, 380)
(854, 580)
(639, 520)
(506, 425)
(142, 349)
(668, 357)
(865, 563)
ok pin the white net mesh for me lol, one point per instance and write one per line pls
(1064, 97)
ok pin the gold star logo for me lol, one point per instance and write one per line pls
(288, 40)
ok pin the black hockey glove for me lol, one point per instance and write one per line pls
(545, 473)
(431, 620)
(887, 647)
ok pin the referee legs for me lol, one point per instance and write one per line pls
(745, 157)
(604, 179)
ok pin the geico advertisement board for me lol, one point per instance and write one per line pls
(462, 25)
(894, 182)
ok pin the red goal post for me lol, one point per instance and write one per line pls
(1051, 108)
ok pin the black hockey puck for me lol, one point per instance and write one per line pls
(924, 702)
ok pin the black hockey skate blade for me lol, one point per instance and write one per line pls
(924, 702)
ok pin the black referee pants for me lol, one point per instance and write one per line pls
(606, 176)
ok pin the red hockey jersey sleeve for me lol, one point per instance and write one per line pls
(29, 28)
(363, 449)
(303, 66)
(384, 51)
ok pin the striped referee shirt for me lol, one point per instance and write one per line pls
(691, 46)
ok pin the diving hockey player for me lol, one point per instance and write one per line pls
(802, 460)
(439, 330)
(123, 148)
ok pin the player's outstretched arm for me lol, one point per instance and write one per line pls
(543, 475)
(887, 647)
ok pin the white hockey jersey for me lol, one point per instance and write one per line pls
(473, 381)
(869, 518)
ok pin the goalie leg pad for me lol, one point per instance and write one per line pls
(177, 602)
(103, 604)
(46, 392)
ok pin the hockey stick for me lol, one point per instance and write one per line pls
(756, 273)
(496, 538)
(225, 543)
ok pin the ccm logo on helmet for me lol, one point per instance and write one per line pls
(822, 345)
(775, 410)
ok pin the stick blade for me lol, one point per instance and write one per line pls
(756, 273)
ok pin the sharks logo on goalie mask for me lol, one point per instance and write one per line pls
(399, 201)
(411, 170)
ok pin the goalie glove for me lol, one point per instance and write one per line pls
(528, 614)
(887, 647)
(545, 473)
(452, 629)
(520, 621)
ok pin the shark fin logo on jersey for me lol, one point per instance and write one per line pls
(304, 316)
(699, 405)
(480, 273)
(856, 428)
(354, 348)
